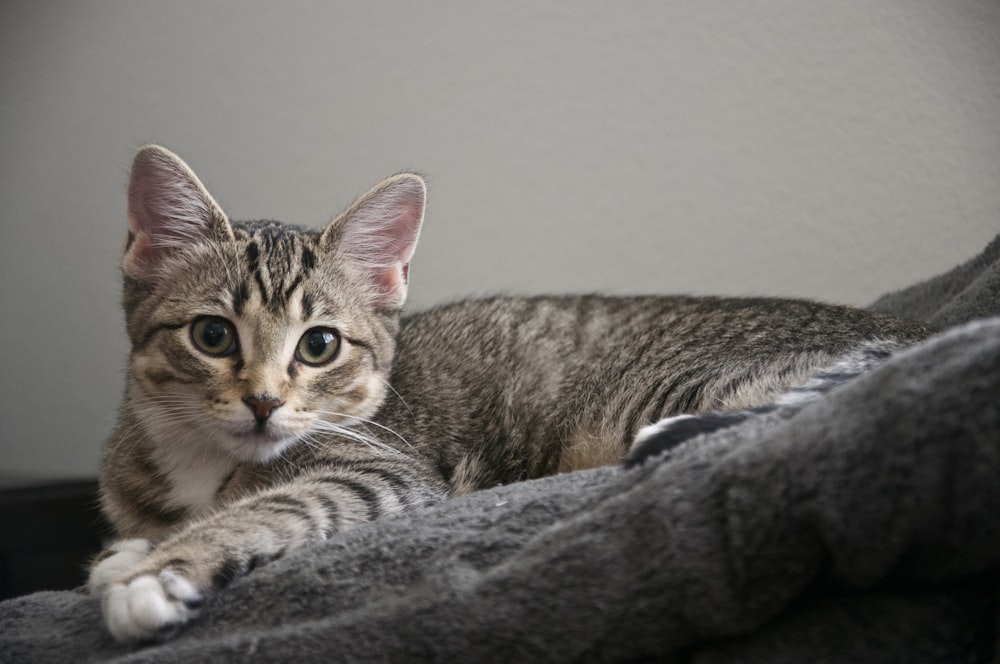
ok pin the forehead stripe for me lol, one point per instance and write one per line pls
(240, 297)
(291, 287)
(253, 261)
(308, 259)
(307, 305)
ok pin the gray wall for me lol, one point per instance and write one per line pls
(832, 150)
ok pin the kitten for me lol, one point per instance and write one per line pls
(274, 396)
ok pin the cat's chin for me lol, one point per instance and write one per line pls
(257, 446)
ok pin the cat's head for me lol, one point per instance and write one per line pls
(249, 337)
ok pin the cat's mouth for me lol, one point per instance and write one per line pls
(262, 435)
(258, 436)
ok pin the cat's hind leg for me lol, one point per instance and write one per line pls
(670, 432)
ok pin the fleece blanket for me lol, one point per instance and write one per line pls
(866, 528)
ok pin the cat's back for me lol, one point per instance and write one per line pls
(549, 326)
(531, 374)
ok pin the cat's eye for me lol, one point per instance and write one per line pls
(318, 345)
(214, 336)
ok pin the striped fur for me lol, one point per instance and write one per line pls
(671, 432)
(233, 447)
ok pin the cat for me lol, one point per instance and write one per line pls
(275, 396)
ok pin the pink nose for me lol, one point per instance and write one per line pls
(262, 406)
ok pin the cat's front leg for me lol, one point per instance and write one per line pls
(173, 582)
(168, 587)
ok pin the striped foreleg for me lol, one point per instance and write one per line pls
(169, 586)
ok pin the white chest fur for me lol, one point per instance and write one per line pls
(195, 475)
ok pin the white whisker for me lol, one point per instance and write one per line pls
(398, 395)
(369, 422)
(353, 434)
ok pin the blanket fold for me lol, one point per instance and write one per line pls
(966, 292)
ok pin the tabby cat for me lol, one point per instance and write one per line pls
(275, 397)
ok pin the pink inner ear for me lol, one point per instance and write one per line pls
(389, 266)
(140, 222)
(381, 236)
(168, 209)
(394, 240)
(166, 204)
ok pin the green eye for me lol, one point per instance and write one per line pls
(214, 336)
(317, 346)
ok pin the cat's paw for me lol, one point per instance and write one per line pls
(116, 562)
(670, 432)
(656, 428)
(150, 606)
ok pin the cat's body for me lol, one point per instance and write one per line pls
(499, 390)
(505, 389)
(274, 397)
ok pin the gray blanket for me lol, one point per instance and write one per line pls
(864, 529)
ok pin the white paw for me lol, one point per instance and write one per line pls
(651, 430)
(149, 606)
(126, 557)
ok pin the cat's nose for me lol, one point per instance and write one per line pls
(262, 405)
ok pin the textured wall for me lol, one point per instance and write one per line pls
(828, 150)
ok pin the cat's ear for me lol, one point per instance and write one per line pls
(169, 209)
(378, 235)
